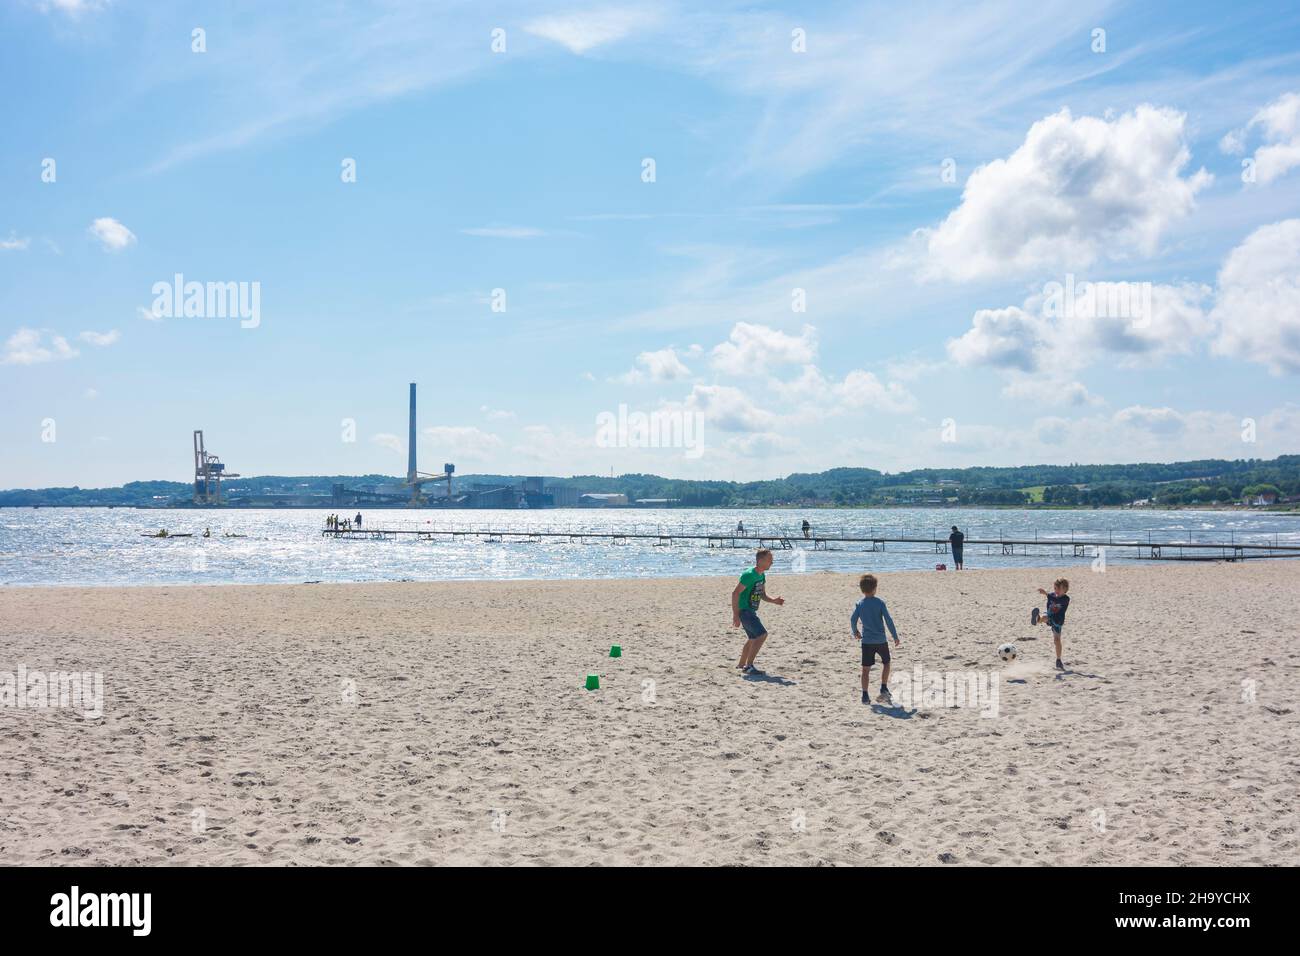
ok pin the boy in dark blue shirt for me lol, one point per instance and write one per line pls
(1057, 603)
(873, 616)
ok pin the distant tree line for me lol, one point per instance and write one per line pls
(1176, 483)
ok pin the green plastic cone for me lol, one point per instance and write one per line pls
(593, 682)
(616, 650)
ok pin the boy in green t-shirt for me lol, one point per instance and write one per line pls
(749, 593)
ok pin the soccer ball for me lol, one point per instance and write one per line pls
(1008, 652)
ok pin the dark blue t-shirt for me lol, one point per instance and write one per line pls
(1056, 605)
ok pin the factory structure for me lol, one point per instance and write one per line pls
(418, 490)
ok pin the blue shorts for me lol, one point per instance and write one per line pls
(754, 628)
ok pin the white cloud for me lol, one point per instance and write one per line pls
(505, 232)
(1258, 301)
(729, 409)
(112, 235)
(1044, 390)
(497, 414)
(1158, 421)
(1133, 323)
(1279, 122)
(390, 441)
(815, 398)
(755, 348)
(1075, 191)
(660, 366)
(463, 442)
(13, 243)
(147, 314)
(101, 339)
(585, 30)
(34, 346)
(1003, 338)
(72, 8)
(760, 445)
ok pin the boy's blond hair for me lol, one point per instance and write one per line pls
(761, 552)
(1061, 583)
(868, 584)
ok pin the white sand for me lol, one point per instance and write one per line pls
(471, 740)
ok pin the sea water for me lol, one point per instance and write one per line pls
(102, 546)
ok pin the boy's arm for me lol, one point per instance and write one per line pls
(735, 604)
(889, 622)
(853, 622)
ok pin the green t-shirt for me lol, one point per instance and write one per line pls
(752, 595)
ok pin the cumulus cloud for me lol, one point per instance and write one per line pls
(1279, 126)
(816, 397)
(1158, 421)
(1258, 301)
(663, 365)
(1003, 338)
(1075, 323)
(1043, 390)
(1075, 191)
(460, 441)
(102, 339)
(35, 346)
(112, 235)
(13, 243)
(729, 409)
(390, 441)
(755, 348)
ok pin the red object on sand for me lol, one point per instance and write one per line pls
(941, 567)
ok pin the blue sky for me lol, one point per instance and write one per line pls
(918, 179)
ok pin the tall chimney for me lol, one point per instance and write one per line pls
(410, 440)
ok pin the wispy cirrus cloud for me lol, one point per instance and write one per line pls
(505, 232)
(583, 30)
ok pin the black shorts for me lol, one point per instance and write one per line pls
(869, 652)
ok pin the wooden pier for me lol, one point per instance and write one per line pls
(1153, 548)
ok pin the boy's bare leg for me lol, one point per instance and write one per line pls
(866, 679)
(744, 654)
(755, 646)
(1056, 639)
(884, 674)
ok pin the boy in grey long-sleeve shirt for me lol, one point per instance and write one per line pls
(873, 617)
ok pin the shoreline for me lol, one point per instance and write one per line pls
(1080, 565)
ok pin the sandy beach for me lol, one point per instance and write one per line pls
(447, 724)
